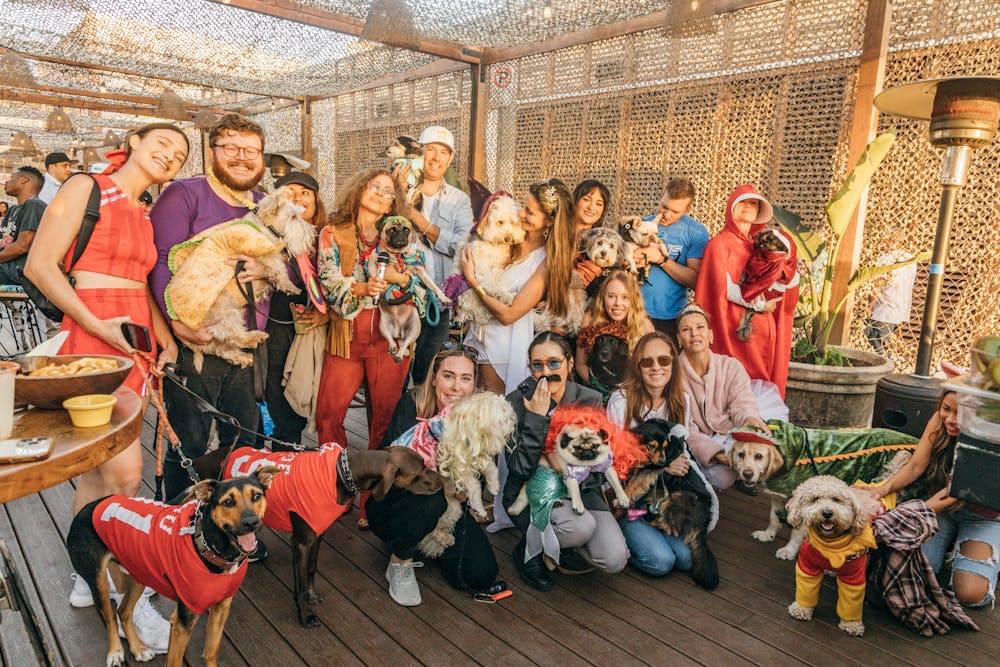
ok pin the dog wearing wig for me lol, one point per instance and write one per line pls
(837, 520)
(683, 505)
(770, 271)
(639, 233)
(204, 287)
(492, 244)
(462, 443)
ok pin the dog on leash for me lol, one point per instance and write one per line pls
(194, 553)
(686, 505)
(204, 286)
(779, 462)
(314, 488)
(770, 271)
(400, 321)
(837, 521)
(639, 233)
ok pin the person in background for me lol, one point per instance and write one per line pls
(146, 201)
(58, 168)
(4, 207)
(894, 293)
(17, 231)
(673, 274)
(443, 218)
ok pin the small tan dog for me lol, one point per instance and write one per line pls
(204, 288)
(837, 521)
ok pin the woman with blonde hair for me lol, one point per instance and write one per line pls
(541, 268)
(611, 329)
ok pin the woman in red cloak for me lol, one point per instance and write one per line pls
(765, 356)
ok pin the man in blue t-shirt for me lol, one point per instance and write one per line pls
(670, 276)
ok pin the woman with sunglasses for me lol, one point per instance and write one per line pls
(721, 397)
(402, 518)
(589, 540)
(356, 352)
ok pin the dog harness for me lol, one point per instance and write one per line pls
(847, 556)
(153, 542)
(308, 486)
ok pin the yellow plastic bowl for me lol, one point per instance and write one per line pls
(90, 410)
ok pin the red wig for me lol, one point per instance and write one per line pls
(628, 452)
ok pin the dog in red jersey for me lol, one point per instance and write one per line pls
(194, 553)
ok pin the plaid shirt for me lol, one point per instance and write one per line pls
(900, 576)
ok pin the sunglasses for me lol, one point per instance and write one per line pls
(385, 194)
(470, 352)
(663, 361)
(551, 364)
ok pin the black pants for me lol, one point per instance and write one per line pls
(288, 424)
(227, 387)
(428, 344)
(403, 519)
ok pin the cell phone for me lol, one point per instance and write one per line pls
(137, 336)
(527, 386)
(20, 450)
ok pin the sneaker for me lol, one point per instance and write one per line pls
(80, 596)
(403, 588)
(153, 629)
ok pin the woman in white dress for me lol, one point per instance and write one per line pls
(540, 268)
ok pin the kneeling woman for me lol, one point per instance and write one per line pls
(403, 519)
(593, 535)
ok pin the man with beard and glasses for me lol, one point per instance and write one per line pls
(188, 207)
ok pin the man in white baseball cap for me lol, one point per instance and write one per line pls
(443, 216)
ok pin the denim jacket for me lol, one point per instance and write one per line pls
(452, 213)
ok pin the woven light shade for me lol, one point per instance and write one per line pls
(21, 143)
(204, 119)
(59, 121)
(6, 163)
(170, 105)
(90, 156)
(689, 18)
(390, 22)
(14, 71)
(111, 139)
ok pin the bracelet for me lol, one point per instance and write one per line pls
(480, 292)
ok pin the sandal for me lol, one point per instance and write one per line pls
(362, 524)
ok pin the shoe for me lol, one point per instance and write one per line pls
(153, 629)
(743, 488)
(533, 572)
(258, 554)
(81, 596)
(403, 588)
(571, 562)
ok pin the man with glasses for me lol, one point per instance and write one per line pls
(442, 215)
(188, 207)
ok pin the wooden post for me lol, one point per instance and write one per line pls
(305, 116)
(477, 122)
(871, 75)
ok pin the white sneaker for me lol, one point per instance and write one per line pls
(81, 596)
(153, 629)
(403, 586)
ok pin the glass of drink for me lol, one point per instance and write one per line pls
(7, 372)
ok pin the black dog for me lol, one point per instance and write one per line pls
(677, 505)
(155, 545)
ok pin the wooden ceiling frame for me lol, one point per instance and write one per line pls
(119, 97)
(57, 101)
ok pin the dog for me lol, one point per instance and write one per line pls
(683, 505)
(782, 462)
(605, 248)
(400, 315)
(314, 489)
(407, 150)
(639, 233)
(492, 244)
(569, 323)
(462, 443)
(204, 286)
(837, 521)
(194, 553)
(771, 270)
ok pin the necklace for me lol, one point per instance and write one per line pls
(252, 206)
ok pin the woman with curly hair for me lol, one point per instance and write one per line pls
(540, 268)
(356, 350)
(611, 329)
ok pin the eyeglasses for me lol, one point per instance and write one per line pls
(663, 361)
(232, 150)
(470, 352)
(388, 193)
(551, 364)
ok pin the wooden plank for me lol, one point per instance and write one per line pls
(16, 648)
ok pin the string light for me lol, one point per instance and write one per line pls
(547, 9)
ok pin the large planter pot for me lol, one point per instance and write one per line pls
(834, 396)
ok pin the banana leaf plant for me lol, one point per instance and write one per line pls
(815, 315)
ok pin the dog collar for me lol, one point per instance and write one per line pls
(344, 473)
(207, 554)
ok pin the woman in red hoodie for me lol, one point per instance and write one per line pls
(765, 356)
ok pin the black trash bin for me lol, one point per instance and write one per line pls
(904, 403)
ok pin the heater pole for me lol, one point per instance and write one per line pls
(935, 281)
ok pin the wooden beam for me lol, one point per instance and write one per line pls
(477, 123)
(609, 31)
(305, 120)
(56, 101)
(122, 97)
(871, 77)
(435, 68)
(348, 25)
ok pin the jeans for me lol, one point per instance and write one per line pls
(878, 333)
(962, 526)
(428, 344)
(653, 551)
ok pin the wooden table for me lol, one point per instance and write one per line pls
(74, 451)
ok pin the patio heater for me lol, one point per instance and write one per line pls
(964, 113)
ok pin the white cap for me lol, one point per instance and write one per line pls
(435, 134)
(764, 212)
(98, 167)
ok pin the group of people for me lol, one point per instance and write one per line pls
(643, 350)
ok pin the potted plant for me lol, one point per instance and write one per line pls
(829, 385)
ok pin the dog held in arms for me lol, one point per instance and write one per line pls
(407, 150)
(204, 287)
(400, 321)
(837, 521)
(605, 248)
(314, 488)
(639, 233)
(770, 271)
(685, 506)
(194, 553)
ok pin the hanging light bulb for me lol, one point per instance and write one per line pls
(59, 121)
(272, 104)
(547, 9)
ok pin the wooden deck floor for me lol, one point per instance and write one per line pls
(626, 619)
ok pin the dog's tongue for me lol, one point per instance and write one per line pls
(247, 542)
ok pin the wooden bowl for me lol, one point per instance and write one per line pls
(50, 392)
